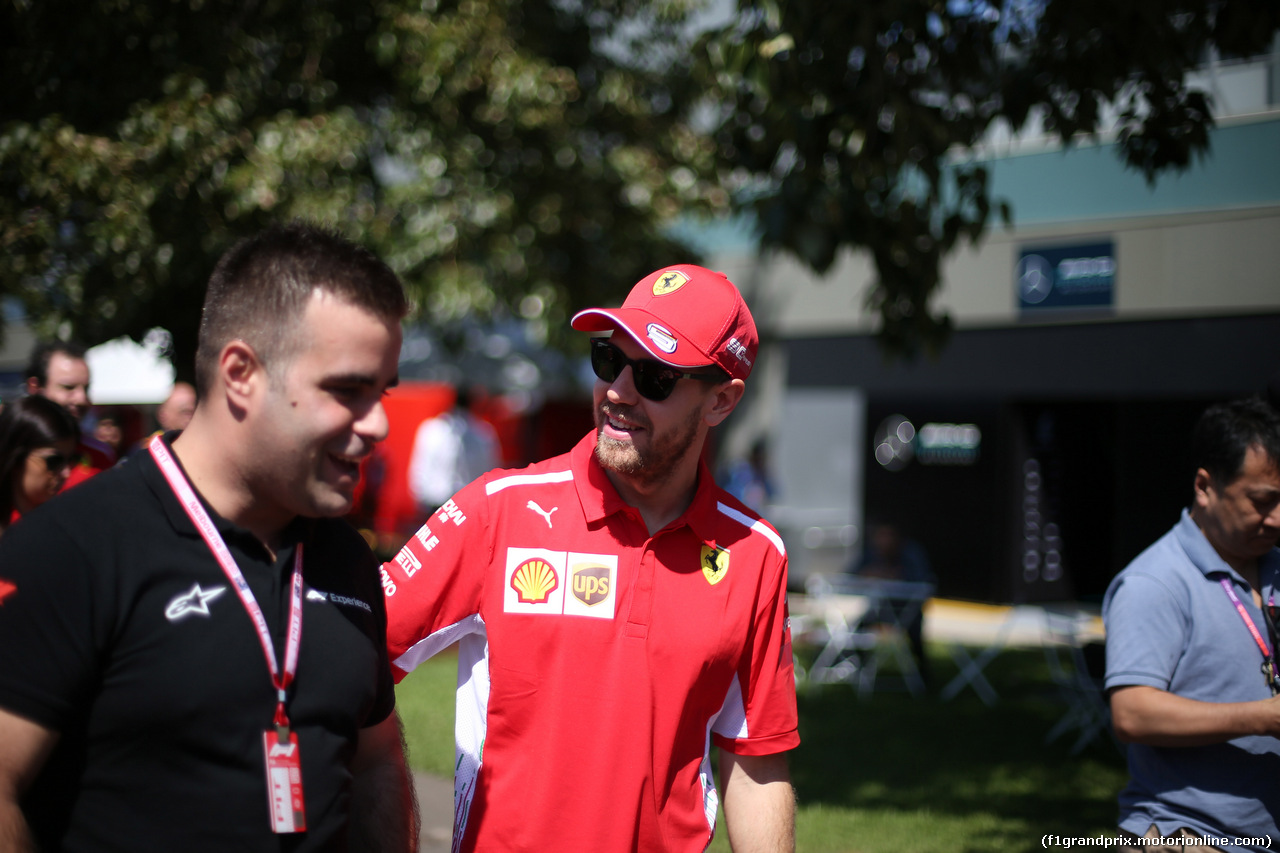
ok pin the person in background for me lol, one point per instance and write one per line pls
(1190, 646)
(108, 428)
(38, 441)
(449, 451)
(888, 555)
(616, 612)
(203, 663)
(176, 411)
(59, 371)
(173, 414)
(748, 479)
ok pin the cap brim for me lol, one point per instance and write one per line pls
(636, 324)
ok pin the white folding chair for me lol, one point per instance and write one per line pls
(972, 668)
(843, 657)
(1087, 711)
(854, 649)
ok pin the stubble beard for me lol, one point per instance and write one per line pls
(656, 462)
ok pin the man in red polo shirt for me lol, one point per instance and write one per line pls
(616, 612)
(58, 370)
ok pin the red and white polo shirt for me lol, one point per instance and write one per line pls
(597, 664)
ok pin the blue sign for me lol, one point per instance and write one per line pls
(1066, 277)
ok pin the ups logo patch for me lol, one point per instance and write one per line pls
(591, 584)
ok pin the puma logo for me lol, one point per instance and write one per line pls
(533, 505)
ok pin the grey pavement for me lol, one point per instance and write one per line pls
(435, 804)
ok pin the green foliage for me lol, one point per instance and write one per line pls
(522, 158)
(853, 124)
(482, 147)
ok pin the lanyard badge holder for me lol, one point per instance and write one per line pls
(1269, 666)
(1269, 669)
(280, 742)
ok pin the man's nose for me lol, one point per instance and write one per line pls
(374, 424)
(623, 388)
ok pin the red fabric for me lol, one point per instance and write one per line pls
(97, 458)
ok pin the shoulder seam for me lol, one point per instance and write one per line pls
(494, 486)
(756, 525)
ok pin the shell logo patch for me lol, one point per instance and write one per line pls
(669, 282)
(715, 564)
(539, 581)
(534, 580)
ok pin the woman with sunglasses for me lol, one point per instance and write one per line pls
(38, 441)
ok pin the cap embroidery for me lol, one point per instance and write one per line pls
(669, 282)
(661, 338)
(736, 347)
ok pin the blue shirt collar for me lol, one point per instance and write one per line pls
(1208, 561)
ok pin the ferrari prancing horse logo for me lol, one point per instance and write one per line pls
(715, 564)
(669, 282)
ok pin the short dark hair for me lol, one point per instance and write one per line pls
(42, 354)
(261, 286)
(27, 424)
(1226, 431)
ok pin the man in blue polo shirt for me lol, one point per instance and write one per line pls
(1190, 648)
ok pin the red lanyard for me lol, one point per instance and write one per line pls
(1248, 620)
(187, 497)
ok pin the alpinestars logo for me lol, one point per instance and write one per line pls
(195, 602)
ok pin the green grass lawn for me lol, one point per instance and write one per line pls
(425, 702)
(894, 773)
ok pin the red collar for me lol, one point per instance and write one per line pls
(600, 499)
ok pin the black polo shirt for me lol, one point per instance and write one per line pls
(124, 635)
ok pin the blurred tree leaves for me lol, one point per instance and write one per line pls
(853, 124)
(483, 147)
(523, 158)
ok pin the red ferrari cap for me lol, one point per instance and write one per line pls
(685, 316)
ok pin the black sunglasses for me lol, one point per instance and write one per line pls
(55, 462)
(653, 379)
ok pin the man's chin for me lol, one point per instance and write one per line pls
(332, 504)
(619, 456)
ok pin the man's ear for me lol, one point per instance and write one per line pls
(241, 373)
(1203, 486)
(33, 386)
(724, 399)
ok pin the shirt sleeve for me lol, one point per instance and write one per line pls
(1147, 631)
(51, 612)
(433, 586)
(759, 716)
(385, 697)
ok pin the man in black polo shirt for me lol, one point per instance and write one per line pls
(193, 645)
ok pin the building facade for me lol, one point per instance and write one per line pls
(1047, 444)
